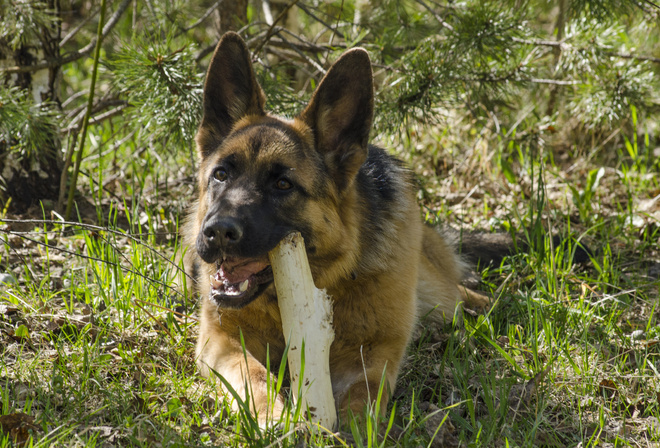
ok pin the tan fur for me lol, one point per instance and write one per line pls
(381, 275)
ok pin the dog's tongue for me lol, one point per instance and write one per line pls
(235, 271)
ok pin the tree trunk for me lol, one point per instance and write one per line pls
(30, 177)
(231, 16)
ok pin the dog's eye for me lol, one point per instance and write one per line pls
(283, 184)
(220, 174)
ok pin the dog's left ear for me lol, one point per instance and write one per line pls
(341, 113)
(231, 92)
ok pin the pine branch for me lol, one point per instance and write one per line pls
(635, 57)
(436, 16)
(566, 47)
(74, 56)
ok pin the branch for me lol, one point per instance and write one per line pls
(541, 43)
(80, 26)
(74, 56)
(551, 81)
(304, 57)
(204, 17)
(564, 46)
(329, 27)
(269, 33)
(634, 56)
(437, 17)
(100, 117)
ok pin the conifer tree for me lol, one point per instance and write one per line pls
(29, 102)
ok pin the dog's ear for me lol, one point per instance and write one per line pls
(231, 92)
(341, 112)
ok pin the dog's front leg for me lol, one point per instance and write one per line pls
(218, 353)
(359, 400)
(357, 390)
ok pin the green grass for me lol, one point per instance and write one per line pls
(98, 347)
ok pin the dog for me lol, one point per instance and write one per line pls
(262, 177)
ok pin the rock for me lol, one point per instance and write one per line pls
(8, 279)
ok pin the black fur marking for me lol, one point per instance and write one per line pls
(377, 177)
(195, 270)
(379, 181)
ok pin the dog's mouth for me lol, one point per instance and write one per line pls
(238, 281)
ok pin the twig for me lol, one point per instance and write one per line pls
(510, 77)
(187, 316)
(156, 320)
(72, 98)
(540, 43)
(437, 17)
(309, 60)
(94, 228)
(304, 44)
(88, 114)
(114, 147)
(564, 46)
(88, 257)
(280, 42)
(100, 117)
(634, 56)
(201, 54)
(329, 27)
(269, 33)
(74, 56)
(552, 81)
(80, 26)
(204, 17)
(79, 112)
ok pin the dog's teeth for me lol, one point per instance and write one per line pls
(243, 287)
(215, 284)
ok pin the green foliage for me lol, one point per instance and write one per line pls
(21, 21)
(484, 58)
(601, 10)
(162, 86)
(493, 56)
(25, 127)
(584, 199)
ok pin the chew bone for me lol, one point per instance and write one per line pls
(306, 316)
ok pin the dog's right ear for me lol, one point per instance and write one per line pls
(231, 92)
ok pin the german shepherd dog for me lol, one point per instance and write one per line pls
(262, 177)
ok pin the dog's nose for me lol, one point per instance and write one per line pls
(223, 231)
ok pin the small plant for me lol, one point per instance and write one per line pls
(584, 199)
